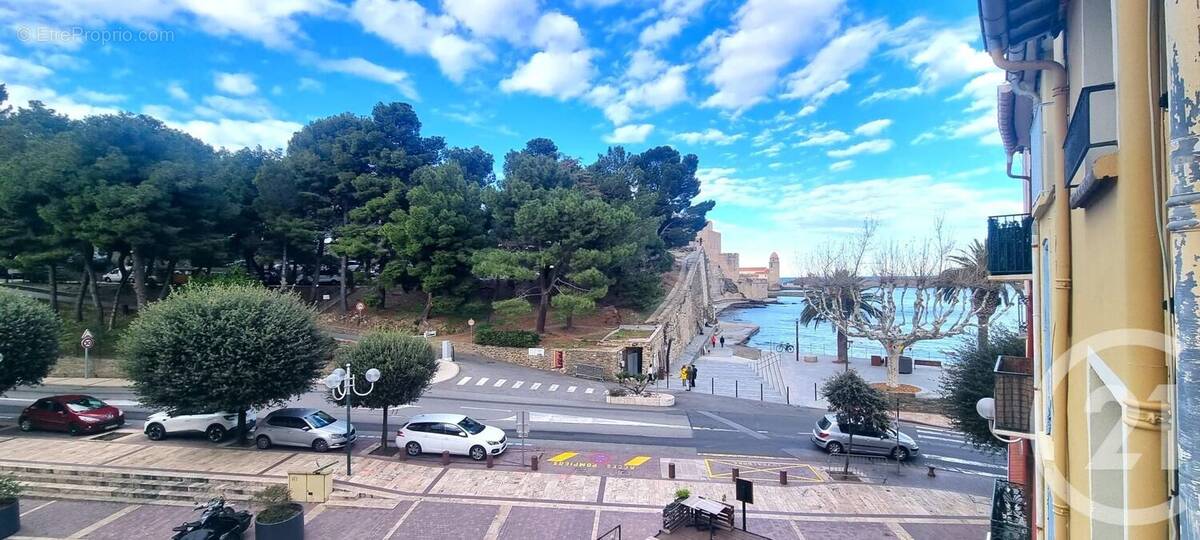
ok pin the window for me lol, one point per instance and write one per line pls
(290, 422)
(824, 422)
(44, 405)
(84, 404)
(453, 430)
(472, 427)
(420, 427)
(320, 419)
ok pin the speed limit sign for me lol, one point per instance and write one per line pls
(87, 340)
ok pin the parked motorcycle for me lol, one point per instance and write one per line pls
(217, 522)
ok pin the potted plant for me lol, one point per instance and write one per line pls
(682, 493)
(278, 517)
(10, 508)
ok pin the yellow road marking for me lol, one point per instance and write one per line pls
(563, 457)
(637, 461)
(796, 471)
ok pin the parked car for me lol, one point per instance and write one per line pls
(215, 426)
(835, 439)
(113, 276)
(74, 414)
(313, 428)
(452, 433)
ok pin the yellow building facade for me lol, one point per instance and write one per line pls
(1099, 122)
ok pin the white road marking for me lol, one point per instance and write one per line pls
(735, 425)
(571, 388)
(486, 409)
(518, 384)
(552, 418)
(939, 433)
(589, 390)
(535, 386)
(959, 461)
(481, 382)
(464, 380)
(943, 439)
(499, 383)
(553, 387)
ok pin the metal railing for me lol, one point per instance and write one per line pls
(1093, 125)
(1013, 394)
(1010, 512)
(1009, 245)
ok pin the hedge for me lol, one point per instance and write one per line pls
(506, 338)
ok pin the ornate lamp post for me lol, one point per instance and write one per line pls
(341, 386)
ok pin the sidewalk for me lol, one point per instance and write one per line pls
(467, 500)
(445, 372)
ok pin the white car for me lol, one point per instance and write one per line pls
(454, 433)
(112, 276)
(215, 426)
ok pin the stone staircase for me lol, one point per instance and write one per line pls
(164, 488)
(723, 374)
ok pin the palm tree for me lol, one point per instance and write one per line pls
(987, 296)
(847, 289)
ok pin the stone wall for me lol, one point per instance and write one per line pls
(683, 312)
(512, 355)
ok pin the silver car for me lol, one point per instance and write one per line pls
(834, 439)
(312, 428)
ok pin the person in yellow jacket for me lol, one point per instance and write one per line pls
(683, 377)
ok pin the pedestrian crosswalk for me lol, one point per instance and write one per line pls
(936, 443)
(528, 386)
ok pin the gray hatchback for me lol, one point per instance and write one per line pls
(312, 428)
(835, 439)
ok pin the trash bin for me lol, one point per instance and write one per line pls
(906, 365)
(311, 486)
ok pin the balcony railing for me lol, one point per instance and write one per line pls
(1010, 512)
(1013, 393)
(1009, 241)
(1093, 125)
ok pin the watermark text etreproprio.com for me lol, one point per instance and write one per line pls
(79, 34)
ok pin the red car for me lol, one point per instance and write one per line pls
(74, 414)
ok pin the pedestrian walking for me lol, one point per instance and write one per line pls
(722, 341)
(683, 377)
(692, 375)
(714, 339)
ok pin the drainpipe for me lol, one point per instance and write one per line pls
(1183, 225)
(1060, 298)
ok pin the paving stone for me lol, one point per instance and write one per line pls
(150, 521)
(533, 523)
(447, 521)
(635, 525)
(64, 518)
(944, 531)
(354, 522)
(775, 529)
(831, 530)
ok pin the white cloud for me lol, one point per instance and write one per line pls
(767, 35)
(234, 134)
(661, 31)
(21, 94)
(843, 165)
(99, 97)
(407, 25)
(176, 91)
(13, 68)
(710, 135)
(559, 74)
(644, 64)
(222, 106)
(893, 93)
(874, 146)
(873, 128)
(507, 19)
(630, 134)
(366, 69)
(238, 84)
(660, 93)
(558, 32)
(720, 184)
(770, 151)
(824, 138)
(308, 84)
(840, 58)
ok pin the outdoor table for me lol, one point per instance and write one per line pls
(704, 507)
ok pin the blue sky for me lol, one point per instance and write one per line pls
(808, 115)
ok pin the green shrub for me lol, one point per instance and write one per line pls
(507, 338)
(683, 493)
(275, 504)
(29, 333)
(10, 488)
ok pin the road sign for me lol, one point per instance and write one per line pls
(745, 491)
(87, 340)
(360, 307)
(522, 424)
(470, 322)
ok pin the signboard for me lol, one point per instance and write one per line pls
(470, 322)
(522, 424)
(87, 341)
(537, 352)
(745, 491)
(360, 307)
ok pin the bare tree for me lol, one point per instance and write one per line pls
(910, 296)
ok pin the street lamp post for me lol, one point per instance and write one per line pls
(341, 385)
(797, 339)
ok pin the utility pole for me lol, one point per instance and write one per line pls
(797, 339)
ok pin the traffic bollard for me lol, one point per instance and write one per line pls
(735, 388)
(671, 471)
(760, 392)
(783, 477)
(931, 472)
(491, 462)
(734, 474)
(787, 393)
(533, 462)
(445, 458)
(712, 385)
